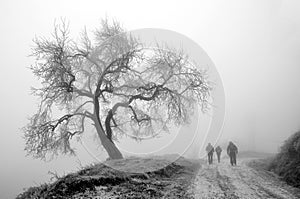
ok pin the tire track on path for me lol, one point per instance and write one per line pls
(238, 182)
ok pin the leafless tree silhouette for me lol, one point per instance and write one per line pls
(122, 87)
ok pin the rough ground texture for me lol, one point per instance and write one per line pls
(245, 180)
(102, 182)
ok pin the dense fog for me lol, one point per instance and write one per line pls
(254, 46)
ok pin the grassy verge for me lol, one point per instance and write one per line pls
(164, 179)
(285, 164)
(261, 164)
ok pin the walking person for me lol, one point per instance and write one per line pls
(232, 150)
(218, 151)
(210, 152)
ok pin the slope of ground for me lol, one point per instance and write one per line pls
(232, 182)
(132, 178)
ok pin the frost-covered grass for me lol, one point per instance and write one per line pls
(152, 177)
(287, 162)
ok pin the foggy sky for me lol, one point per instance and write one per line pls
(254, 44)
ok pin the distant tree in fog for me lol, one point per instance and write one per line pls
(122, 87)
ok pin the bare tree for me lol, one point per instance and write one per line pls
(122, 87)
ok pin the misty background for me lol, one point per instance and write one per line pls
(254, 44)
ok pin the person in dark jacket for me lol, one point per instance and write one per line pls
(232, 150)
(218, 151)
(210, 151)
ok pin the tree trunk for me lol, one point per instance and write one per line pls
(109, 146)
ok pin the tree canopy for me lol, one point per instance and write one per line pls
(113, 80)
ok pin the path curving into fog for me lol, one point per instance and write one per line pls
(239, 182)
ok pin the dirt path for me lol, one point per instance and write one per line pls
(224, 181)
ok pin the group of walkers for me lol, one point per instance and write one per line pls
(232, 150)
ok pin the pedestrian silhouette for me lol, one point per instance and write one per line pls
(218, 151)
(232, 150)
(210, 152)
